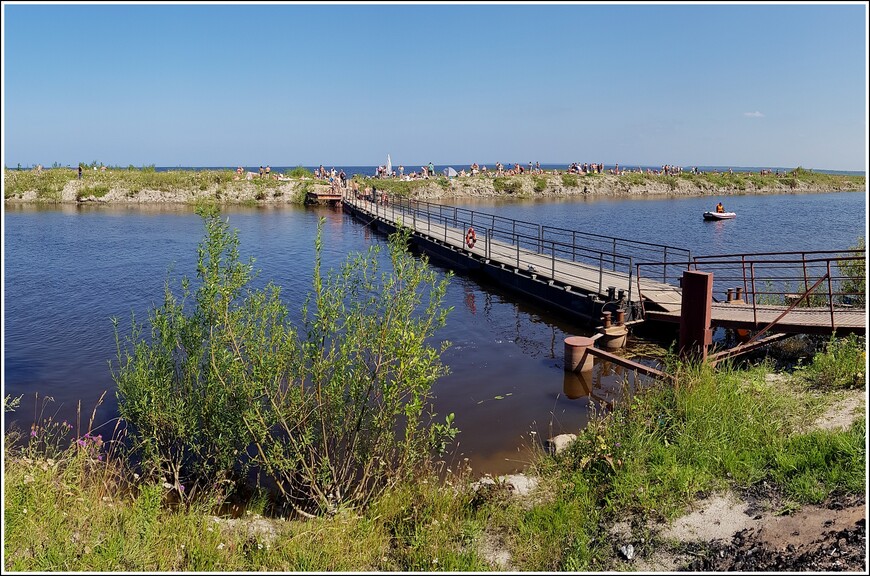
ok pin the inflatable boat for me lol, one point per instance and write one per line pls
(718, 215)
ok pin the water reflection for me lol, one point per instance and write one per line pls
(577, 384)
(607, 382)
(68, 269)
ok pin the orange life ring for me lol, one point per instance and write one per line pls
(470, 238)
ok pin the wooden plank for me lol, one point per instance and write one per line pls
(575, 274)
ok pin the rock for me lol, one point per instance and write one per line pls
(627, 551)
(557, 444)
(516, 484)
(519, 484)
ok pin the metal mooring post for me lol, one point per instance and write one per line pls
(695, 315)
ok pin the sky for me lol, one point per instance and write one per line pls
(226, 84)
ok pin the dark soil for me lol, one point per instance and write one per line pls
(828, 538)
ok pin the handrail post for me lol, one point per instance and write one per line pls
(830, 296)
(665, 269)
(614, 254)
(553, 262)
(600, 272)
(804, 262)
(754, 295)
(573, 245)
(630, 272)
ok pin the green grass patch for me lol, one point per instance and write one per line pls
(539, 184)
(569, 180)
(634, 178)
(404, 188)
(671, 181)
(97, 191)
(840, 365)
(299, 172)
(507, 185)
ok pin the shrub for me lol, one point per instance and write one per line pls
(634, 178)
(508, 185)
(188, 388)
(299, 172)
(569, 180)
(855, 271)
(839, 365)
(95, 191)
(335, 412)
(540, 184)
(356, 419)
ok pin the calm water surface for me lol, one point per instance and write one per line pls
(68, 271)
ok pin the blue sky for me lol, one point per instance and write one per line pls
(780, 85)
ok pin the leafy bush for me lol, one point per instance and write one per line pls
(540, 184)
(508, 185)
(299, 172)
(188, 388)
(335, 412)
(840, 365)
(95, 191)
(569, 180)
(356, 419)
(855, 271)
(634, 178)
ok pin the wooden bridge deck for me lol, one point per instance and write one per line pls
(799, 320)
(596, 280)
(577, 275)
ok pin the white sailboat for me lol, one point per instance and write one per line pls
(389, 166)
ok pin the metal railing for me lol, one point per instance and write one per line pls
(819, 280)
(517, 243)
(573, 251)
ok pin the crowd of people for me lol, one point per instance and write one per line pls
(500, 170)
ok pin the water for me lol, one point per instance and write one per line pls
(68, 271)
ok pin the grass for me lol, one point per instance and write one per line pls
(404, 188)
(647, 459)
(49, 184)
(569, 181)
(507, 185)
(838, 366)
(95, 191)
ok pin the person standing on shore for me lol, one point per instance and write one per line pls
(80, 171)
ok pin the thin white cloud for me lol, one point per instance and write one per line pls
(755, 114)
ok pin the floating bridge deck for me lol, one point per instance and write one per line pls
(577, 272)
(585, 274)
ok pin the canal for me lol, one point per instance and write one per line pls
(69, 270)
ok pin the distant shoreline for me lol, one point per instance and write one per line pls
(134, 186)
